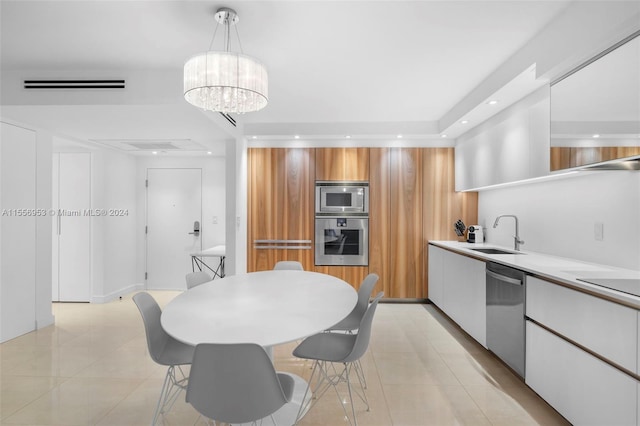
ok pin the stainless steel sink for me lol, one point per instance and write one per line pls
(495, 251)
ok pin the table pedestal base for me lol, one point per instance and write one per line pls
(286, 416)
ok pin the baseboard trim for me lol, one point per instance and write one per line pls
(117, 294)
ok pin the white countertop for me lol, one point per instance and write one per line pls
(563, 270)
(216, 251)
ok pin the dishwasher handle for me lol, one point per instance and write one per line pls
(504, 279)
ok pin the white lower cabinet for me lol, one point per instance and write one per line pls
(581, 387)
(459, 290)
(604, 327)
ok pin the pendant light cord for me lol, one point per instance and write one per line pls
(214, 36)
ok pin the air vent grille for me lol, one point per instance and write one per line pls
(74, 84)
(153, 145)
(229, 118)
(162, 145)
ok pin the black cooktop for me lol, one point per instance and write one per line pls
(625, 285)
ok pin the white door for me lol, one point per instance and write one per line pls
(174, 204)
(71, 262)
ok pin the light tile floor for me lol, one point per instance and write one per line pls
(92, 368)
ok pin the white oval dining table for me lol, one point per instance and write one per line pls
(268, 308)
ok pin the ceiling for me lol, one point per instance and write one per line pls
(377, 66)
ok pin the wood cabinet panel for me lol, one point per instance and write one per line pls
(406, 244)
(379, 216)
(560, 158)
(567, 157)
(280, 204)
(351, 274)
(342, 164)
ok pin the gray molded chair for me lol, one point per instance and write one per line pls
(196, 278)
(164, 350)
(236, 383)
(352, 321)
(290, 265)
(328, 348)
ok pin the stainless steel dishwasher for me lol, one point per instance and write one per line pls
(505, 314)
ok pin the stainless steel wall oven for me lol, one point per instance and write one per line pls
(342, 240)
(342, 223)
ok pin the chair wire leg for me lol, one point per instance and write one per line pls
(165, 387)
(171, 388)
(353, 408)
(360, 373)
(305, 405)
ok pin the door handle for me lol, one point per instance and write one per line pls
(504, 279)
(196, 228)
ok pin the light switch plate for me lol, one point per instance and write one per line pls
(598, 231)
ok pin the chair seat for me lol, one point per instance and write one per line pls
(176, 353)
(332, 347)
(287, 383)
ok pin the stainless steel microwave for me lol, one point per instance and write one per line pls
(342, 197)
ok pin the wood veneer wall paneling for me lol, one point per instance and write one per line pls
(406, 246)
(342, 164)
(351, 274)
(441, 205)
(379, 217)
(281, 204)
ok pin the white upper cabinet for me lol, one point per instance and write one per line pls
(511, 146)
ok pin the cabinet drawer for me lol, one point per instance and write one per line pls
(584, 389)
(604, 327)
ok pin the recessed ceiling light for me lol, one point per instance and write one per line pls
(596, 136)
(348, 137)
(209, 152)
(443, 135)
(464, 121)
(297, 136)
(399, 136)
(254, 137)
(492, 102)
(155, 152)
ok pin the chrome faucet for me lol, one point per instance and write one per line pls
(517, 241)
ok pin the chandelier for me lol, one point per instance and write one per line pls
(225, 81)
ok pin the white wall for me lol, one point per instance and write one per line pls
(213, 199)
(32, 246)
(558, 217)
(44, 315)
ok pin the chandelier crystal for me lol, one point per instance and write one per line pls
(226, 81)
